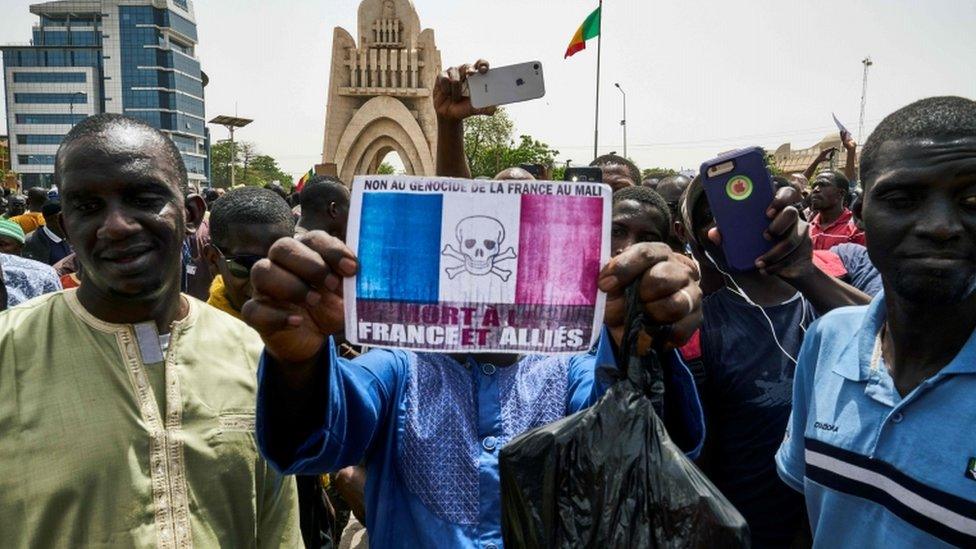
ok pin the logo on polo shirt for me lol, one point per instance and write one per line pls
(971, 469)
(825, 427)
(739, 187)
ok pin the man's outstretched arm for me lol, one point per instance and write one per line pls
(812, 168)
(452, 107)
(851, 147)
(316, 412)
(791, 257)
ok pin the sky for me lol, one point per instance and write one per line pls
(701, 76)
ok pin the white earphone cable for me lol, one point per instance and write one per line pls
(772, 330)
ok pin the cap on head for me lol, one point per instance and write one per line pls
(946, 117)
(12, 230)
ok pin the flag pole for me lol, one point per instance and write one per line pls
(596, 123)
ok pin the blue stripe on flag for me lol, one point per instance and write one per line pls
(399, 247)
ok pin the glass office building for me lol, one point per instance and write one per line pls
(136, 57)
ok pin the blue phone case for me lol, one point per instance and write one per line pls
(739, 200)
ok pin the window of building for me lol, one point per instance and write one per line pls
(182, 26)
(49, 118)
(31, 180)
(51, 38)
(189, 85)
(185, 144)
(195, 164)
(49, 77)
(182, 63)
(39, 139)
(189, 124)
(51, 98)
(36, 159)
(189, 105)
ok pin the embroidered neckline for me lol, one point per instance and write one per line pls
(71, 298)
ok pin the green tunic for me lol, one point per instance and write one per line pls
(99, 449)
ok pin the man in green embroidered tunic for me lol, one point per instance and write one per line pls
(126, 408)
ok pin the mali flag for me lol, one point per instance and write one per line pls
(304, 179)
(589, 29)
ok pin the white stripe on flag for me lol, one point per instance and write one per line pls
(910, 499)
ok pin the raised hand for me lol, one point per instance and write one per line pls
(848, 141)
(297, 298)
(792, 254)
(668, 291)
(450, 102)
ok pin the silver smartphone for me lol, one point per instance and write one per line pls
(509, 84)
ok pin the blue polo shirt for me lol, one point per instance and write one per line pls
(877, 469)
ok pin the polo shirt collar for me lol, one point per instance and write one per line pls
(864, 339)
(965, 361)
(867, 335)
(50, 234)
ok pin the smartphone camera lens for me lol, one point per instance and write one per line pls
(536, 66)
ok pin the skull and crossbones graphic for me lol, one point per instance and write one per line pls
(480, 239)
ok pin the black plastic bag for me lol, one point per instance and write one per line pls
(609, 476)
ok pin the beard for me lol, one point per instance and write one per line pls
(930, 287)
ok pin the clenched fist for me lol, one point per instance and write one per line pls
(297, 298)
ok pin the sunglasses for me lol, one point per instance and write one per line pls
(239, 266)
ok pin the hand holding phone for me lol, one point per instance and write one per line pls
(739, 191)
(450, 94)
(504, 85)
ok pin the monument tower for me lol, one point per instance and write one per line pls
(380, 92)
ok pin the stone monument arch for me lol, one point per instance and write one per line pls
(380, 92)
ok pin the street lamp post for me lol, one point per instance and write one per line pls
(864, 98)
(71, 104)
(624, 121)
(231, 123)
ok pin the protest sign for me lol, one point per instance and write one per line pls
(455, 265)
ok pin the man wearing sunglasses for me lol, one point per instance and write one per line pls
(243, 226)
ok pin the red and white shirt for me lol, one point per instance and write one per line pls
(840, 231)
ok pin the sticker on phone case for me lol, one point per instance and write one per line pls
(739, 187)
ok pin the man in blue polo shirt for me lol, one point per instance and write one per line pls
(882, 440)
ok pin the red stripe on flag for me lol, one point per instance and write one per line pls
(574, 48)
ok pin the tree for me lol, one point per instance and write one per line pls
(490, 148)
(220, 164)
(657, 173)
(263, 169)
(385, 169)
(250, 167)
(771, 165)
(245, 155)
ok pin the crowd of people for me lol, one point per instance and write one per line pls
(173, 370)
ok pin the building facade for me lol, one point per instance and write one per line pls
(790, 160)
(379, 93)
(135, 57)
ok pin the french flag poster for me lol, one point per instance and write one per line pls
(458, 265)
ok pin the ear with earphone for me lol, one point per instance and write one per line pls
(742, 293)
